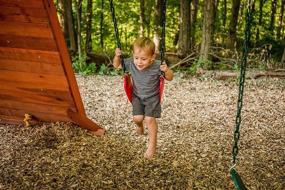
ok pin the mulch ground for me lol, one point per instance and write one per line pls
(194, 140)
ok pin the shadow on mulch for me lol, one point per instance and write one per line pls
(62, 156)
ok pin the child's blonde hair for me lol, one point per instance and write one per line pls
(145, 43)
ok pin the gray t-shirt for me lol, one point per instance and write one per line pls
(145, 82)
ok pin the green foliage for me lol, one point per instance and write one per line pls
(236, 67)
(222, 66)
(199, 64)
(80, 66)
(128, 18)
(105, 70)
(205, 64)
(277, 46)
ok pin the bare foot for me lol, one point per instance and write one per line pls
(149, 153)
(139, 130)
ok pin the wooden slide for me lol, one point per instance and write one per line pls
(36, 76)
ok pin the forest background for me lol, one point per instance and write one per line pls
(200, 35)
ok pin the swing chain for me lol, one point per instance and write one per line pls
(241, 82)
(112, 8)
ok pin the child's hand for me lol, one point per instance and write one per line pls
(168, 73)
(164, 67)
(118, 52)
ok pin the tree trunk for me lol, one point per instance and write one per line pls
(102, 25)
(185, 30)
(224, 20)
(261, 3)
(283, 60)
(207, 29)
(216, 17)
(61, 17)
(225, 13)
(142, 17)
(157, 32)
(88, 44)
(233, 24)
(78, 18)
(273, 15)
(269, 74)
(281, 17)
(69, 26)
(194, 21)
(149, 4)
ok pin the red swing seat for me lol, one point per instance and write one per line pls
(128, 86)
(161, 87)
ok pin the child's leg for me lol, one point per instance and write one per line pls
(152, 131)
(138, 119)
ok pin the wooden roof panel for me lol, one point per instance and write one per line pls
(23, 14)
(31, 66)
(39, 30)
(23, 3)
(20, 54)
(27, 42)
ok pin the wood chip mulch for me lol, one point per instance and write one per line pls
(194, 140)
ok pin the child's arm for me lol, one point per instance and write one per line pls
(117, 59)
(168, 73)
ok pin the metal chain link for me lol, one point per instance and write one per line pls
(241, 83)
(116, 32)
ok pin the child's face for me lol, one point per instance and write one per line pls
(143, 58)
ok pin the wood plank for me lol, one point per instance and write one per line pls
(34, 107)
(34, 98)
(23, 14)
(32, 80)
(63, 95)
(30, 55)
(4, 119)
(86, 123)
(32, 86)
(52, 96)
(18, 115)
(26, 29)
(12, 41)
(62, 48)
(22, 3)
(31, 67)
(13, 120)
